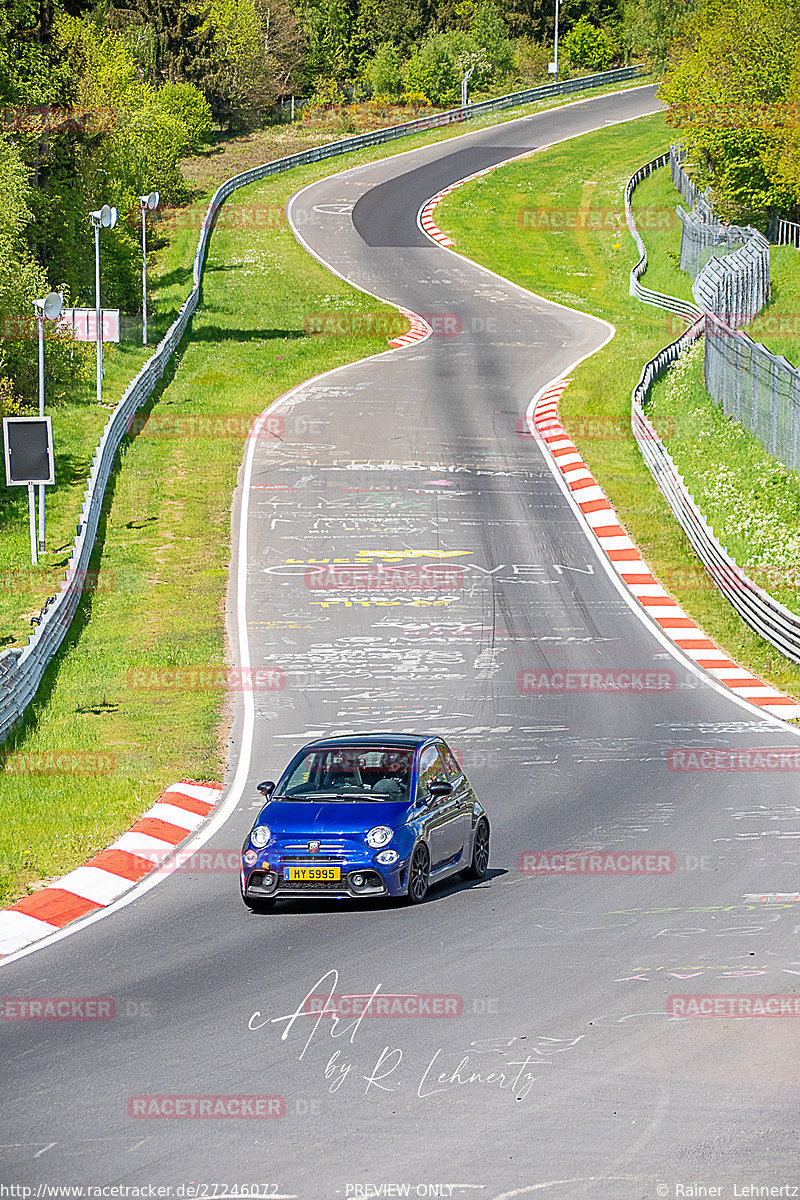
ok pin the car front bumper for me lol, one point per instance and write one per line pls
(266, 880)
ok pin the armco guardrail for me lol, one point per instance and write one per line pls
(683, 308)
(762, 612)
(21, 671)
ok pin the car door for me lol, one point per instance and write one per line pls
(462, 799)
(441, 824)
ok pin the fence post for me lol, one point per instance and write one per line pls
(795, 407)
(737, 377)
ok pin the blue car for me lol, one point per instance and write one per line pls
(366, 816)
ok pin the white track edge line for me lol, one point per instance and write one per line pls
(619, 584)
(230, 803)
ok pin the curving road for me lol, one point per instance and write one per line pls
(562, 1075)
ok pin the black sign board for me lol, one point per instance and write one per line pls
(28, 444)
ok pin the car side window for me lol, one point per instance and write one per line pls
(431, 769)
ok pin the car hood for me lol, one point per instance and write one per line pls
(336, 816)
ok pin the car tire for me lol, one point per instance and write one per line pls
(479, 865)
(419, 873)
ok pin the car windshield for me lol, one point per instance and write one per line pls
(349, 773)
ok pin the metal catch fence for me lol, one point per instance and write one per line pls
(761, 390)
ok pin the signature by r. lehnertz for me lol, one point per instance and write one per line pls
(502, 1065)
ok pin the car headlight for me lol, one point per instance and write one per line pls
(381, 835)
(387, 858)
(260, 837)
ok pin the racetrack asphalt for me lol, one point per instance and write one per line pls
(563, 1072)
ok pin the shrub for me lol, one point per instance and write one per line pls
(383, 71)
(590, 46)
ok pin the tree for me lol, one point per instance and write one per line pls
(587, 45)
(731, 91)
(438, 66)
(401, 23)
(283, 45)
(650, 27)
(490, 32)
(180, 37)
(22, 280)
(327, 28)
(383, 71)
(531, 19)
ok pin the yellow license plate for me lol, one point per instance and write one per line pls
(313, 874)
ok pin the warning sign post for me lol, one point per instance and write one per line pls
(28, 450)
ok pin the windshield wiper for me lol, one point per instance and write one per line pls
(321, 796)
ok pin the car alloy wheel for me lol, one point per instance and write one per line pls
(419, 874)
(480, 853)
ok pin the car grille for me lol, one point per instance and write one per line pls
(312, 885)
(313, 860)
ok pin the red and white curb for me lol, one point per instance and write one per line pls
(634, 571)
(426, 221)
(146, 846)
(417, 333)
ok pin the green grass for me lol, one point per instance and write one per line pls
(751, 501)
(778, 326)
(77, 425)
(655, 200)
(164, 542)
(587, 266)
(166, 548)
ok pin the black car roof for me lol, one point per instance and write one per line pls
(404, 741)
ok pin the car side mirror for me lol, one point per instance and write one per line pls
(439, 788)
(266, 788)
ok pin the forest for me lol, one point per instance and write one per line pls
(101, 102)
